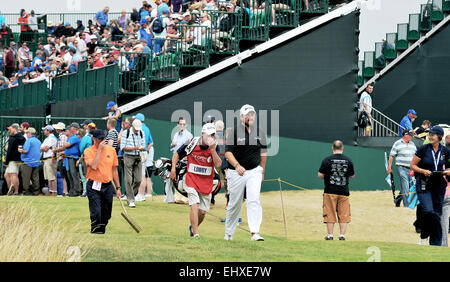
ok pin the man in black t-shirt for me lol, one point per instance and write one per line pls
(335, 170)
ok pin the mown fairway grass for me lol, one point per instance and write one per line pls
(165, 237)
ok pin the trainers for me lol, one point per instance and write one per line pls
(148, 195)
(423, 242)
(342, 237)
(228, 237)
(11, 190)
(139, 198)
(131, 205)
(196, 236)
(124, 197)
(191, 232)
(257, 237)
(328, 237)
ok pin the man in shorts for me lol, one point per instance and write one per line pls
(335, 170)
(202, 158)
(13, 160)
(50, 164)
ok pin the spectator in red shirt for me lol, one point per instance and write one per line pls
(10, 60)
(25, 31)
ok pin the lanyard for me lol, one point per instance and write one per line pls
(436, 160)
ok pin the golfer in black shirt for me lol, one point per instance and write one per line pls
(245, 151)
(335, 171)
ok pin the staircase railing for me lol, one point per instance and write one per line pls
(382, 126)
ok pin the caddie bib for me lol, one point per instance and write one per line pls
(200, 170)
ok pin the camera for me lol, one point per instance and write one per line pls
(137, 161)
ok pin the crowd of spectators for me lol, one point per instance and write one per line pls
(101, 41)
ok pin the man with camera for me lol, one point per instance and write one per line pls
(132, 144)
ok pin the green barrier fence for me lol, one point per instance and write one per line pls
(80, 85)
(195, 45)
(285, 13)
(165, 65)
(24, 95)
(256, 21)
(314, 6)
(134, 73)
(85, 83)
(226, 31)
(55, 18)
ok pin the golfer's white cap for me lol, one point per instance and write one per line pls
(209, 129)
(137, 124)
(247, 109)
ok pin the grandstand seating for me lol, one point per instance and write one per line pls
(407, 33)
(164, 66)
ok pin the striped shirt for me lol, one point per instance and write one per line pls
(403, 152)
(114, 136)
(133, 140)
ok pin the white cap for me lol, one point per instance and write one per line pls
(209, 129)
(137, 124)
(247, 109)
(93, 36)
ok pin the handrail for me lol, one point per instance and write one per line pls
(382, 125)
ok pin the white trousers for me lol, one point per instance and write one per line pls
(250, 182)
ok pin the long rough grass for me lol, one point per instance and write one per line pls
(28, 235)
(378, 230)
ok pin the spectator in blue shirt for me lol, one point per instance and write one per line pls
(86, 142)
(31, 155)
(101, 18)
(143, 34)
(181, 137)
(72, 153)
(407, 121)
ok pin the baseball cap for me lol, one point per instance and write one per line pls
(14, 125)
(92, 126)
(408, 132)
(140, 117)
(86, 122)
(48, 127)
(137, 124)
(110, 105)
(143, 21)
(31, 130)
(99, 134)
(411, 111)
(59, 126)
(437, 130)
(67, 24)
(93, 36)
(75, 124)
(209, 129)
(247, 109)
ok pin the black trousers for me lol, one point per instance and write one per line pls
(100, 205)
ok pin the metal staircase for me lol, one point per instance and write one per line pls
(433, 16)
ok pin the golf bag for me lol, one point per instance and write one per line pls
(163, 166)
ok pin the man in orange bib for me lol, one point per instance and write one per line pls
(198, 181)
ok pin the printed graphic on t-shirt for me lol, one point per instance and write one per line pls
(338, 173)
